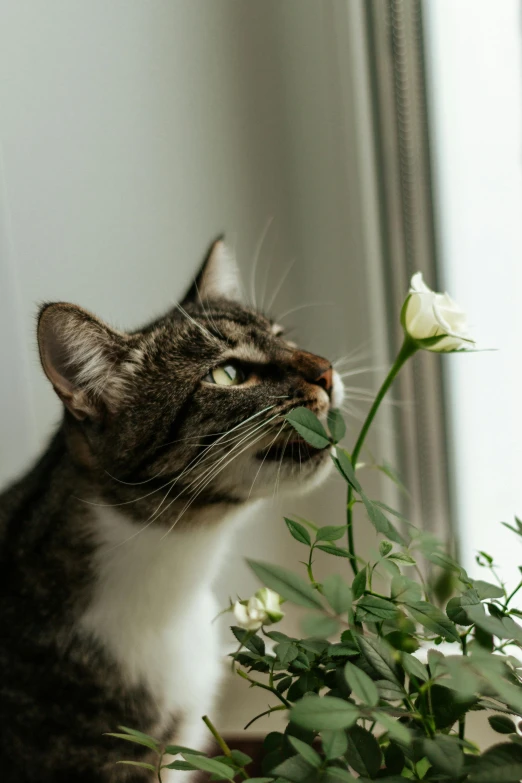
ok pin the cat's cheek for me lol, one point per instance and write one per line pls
(337, 396)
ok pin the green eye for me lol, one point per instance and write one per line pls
(226, 375)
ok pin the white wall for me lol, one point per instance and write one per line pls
(475, 59)
(132, 132)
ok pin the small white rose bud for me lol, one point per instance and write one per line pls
(434, 321)
(272, 604)
(263, 608)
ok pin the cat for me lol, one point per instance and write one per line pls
(109, 546)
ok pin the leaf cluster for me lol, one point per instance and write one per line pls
(380, 682)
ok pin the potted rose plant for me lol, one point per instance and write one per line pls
(360, 702)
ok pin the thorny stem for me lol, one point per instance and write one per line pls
(407, 350)
(281, 698)
(262, 714)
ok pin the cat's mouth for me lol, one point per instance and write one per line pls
(296, 450)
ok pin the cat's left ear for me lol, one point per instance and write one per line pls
(218, 277)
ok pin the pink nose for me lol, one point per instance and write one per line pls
(325, 380)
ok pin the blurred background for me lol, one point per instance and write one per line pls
(346, 144)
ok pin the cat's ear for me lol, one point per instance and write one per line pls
(81, 356)
(218, 277)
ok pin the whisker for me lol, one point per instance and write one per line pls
(264, 458)
(302, 307)
(207, 482)
(158, 489)
(207, 312)
(281, 283)
(154, 516)
(196, 323)
(243, 437)
(224, 432)
(276, 485)
(257, 253)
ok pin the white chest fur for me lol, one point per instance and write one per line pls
(153, 610)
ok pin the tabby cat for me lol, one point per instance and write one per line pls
(110, 544)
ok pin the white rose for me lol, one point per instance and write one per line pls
(262, 608)
(434, 321)
(272, 603)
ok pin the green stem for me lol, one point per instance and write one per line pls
(276, 693)
(222, 744)
(407, 350)
(512, 595)
(462, 719)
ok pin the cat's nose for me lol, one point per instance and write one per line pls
(325, 379)
(314, 369)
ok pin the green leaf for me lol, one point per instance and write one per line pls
(331, 549)
(319, 625)
(502, 724)
(359, 584)
(504, 629)
(402, 557)
(182, 765)
(210, 765)
(172, 750)
(444, 754)
(146, 741)
(344, 465)
(286, 583)
(309, 427)
(136, 733)
(446, 707)
(295, 769)
(499, 764)
(392, 474)
(284, 684)
(240, 759)
(362, 686)
(334, 743)
(380, 522)
(385, 548)
(249, 639)
(380, 656)
(337, 593)
(397, 731)
(316, 713)
(304, 750)
(414, 668)
(286, 652)
(261, 780)
(487, 590)
(394, 760)
(509, 693)
(298, 531)
(456, 607)
(363, 753)
(389, 691)
(433, 619)
(141, 764)
(336, 425)
(337, 773)
(404, 589)
(330, 533)
(402, 641)
(377, 608)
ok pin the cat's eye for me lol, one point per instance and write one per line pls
(228, 374)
